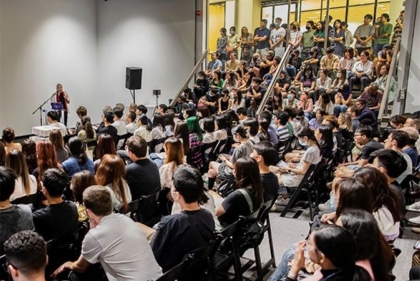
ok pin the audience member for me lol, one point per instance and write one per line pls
(142, 175)
(131, 122)
(30, 152)
(78, 160)
(8, 136)
(396, 141)
(123, 251)
(108, 119)
(79, 182)
(364, 35)
(110, 174)
(14, 218)
(46, 159)
(59, 219)
(56, 139)
(53, 119)
(248, 196)
(179, 234)
(25, 184)
(361, 72)
(26, 256)
(265, 155)
(391, 164)
(410, 149)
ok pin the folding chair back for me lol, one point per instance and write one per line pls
(148, 211)
(298, 189)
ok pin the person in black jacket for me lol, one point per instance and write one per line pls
(201, 86)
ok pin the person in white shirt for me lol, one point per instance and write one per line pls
(362, 71)
(25, 184)
(118, 123)
(52, 118)
(114, 240)
(131, 126)
(277, 38)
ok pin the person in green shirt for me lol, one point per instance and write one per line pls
(307, 39)
(383, 31)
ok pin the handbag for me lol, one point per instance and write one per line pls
(252, 232)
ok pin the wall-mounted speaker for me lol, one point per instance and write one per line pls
(133, 76)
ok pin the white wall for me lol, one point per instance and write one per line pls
(157, 36)
(42, 43)
(86, 45)
(413, 98)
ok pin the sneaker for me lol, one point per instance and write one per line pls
(415, 220)
(414, 207)
(282, 202)
(326, 207)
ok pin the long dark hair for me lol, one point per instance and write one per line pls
(370, 243)
(158, 122)
(353, 194)
(381, 194)
(29, 150)
(182, 132)
(306, 132)
(77, 150)
(252, 125)
(327, 139)
(106, 145)
(87, 127)
(338, 245)
(248, 174)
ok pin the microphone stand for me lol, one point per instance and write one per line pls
(40, 108)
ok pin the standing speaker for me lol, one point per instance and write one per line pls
(133, 78)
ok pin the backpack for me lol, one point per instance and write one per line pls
(252, 232)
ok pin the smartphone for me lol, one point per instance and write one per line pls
(282, 164)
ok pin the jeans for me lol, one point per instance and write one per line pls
(377, 48)
(291, 71)
(339, 108)
(283, 268)
(309, 115)
(364, 81)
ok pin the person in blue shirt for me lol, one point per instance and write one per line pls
(214, 65)
(262, 37)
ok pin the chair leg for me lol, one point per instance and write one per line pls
(258, 263)
(270, 242)
(291, 202)
(310, 204)
(236, 261)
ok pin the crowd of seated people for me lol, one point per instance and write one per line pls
(90, 172)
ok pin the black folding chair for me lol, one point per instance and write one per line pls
(176, 272)
(148, 212)
(298, 190)
(222, 259)
(264, 218)
(207, 151)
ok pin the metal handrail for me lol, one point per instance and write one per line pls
(193, 72)
(391, 71)
(274, 79)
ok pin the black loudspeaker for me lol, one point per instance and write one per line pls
(133, 78)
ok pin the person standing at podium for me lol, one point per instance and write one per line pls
(62, 96)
